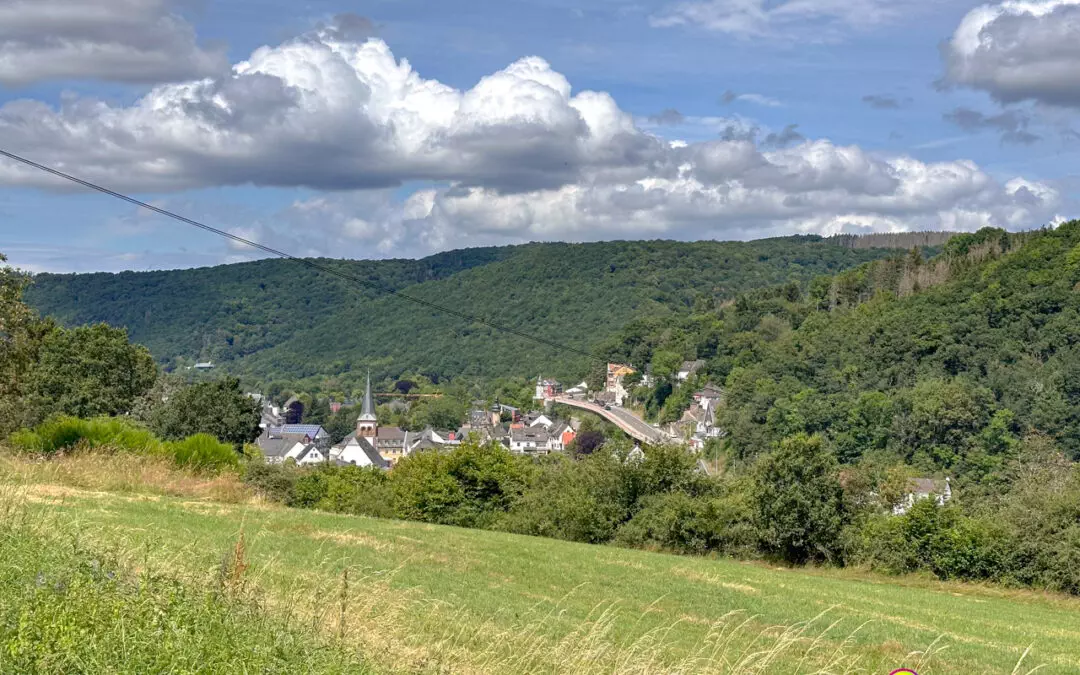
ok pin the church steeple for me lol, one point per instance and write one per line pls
(367, 425)
(367, 411)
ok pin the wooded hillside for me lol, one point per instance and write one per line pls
(276, 319)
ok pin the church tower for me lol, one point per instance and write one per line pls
(367, 425)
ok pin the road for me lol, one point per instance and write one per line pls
(633, 425)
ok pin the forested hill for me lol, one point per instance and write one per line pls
(942, 363)
(275, 319)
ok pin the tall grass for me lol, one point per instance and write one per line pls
(64, 434)
(363, 610)
(138, 474)
(203, 452)
(67, 607)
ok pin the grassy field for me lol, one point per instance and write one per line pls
(415, 597)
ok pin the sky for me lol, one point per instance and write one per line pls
(400, 128)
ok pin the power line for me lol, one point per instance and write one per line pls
(304, 261)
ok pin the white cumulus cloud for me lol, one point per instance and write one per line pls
(1019, 50)
(118, 40)
(520, 155)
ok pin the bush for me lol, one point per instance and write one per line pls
(64, 433)
(470, 486)
(933, 538)
(682, 523)
(363, 491)
(70, 434)
(203, 452)
(579, 500)
(273, 481)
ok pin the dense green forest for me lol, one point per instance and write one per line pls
(277, 320)
(942, 363)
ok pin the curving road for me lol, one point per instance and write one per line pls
(633, 425)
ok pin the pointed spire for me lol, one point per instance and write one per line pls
(367, 411)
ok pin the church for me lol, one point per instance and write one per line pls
(370, 444)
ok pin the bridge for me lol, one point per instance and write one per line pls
(633, 425)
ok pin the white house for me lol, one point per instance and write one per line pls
(924, 488)
(710, 392)
(306, 454)
(689, 368)
(529, 441)
(542, 420)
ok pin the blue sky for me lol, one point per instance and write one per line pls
(728, 119)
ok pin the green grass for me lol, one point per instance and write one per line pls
(69, 606)
(429, 598)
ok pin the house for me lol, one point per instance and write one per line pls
(616, 371)
(430, 439)
(204, 365)
(604, 398)
(479, 418)
(560, 435)
(306, 454)
(313, 432)
(546, 389)
(710, 392)
(276, 442)
(538, 419)
(529, 441)
(293, 410)
(392, 443)
(924, 488)
(688, 369)
(616, 374)
(275, 449)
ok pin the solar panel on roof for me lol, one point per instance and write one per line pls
(306, 429)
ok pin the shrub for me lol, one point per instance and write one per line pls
(579, 500)
(64, 433)
(697, 525)
(470, 486)
(273, 481)
(933, 538)
(358, 490)
(203, 452)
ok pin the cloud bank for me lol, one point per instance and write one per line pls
(519, 156)
(138, 41)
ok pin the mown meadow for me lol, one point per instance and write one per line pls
(412, 597)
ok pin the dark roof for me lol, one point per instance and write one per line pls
(372, 454)
(530, 434)
(275, 447)
(710, 391)
(925, 486)
(391, 434)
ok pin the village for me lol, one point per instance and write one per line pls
(530, 433)
(533, 432)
